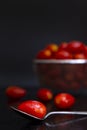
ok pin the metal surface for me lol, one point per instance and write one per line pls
(24, 114)
(55, 61)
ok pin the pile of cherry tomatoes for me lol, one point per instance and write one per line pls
(62, 75)
(37, 107)
(65, 50)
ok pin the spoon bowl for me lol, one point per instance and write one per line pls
(28, 116)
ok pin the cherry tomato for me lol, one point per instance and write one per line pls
(44, 54)
(34, 108)
(64, 100)
(15, 92)
(63, 55)
(76, 47)
(44, 94)
(80, 56)
(52, 47)
(85, 50)
(63, 46)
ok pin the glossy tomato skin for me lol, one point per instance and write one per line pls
(80, 56)
(85, 52)
(63, 46)
(76, 47)
(63, 55)
(44, 94)
(52, 47)
(34, 108)
(44, 54)
(64, 100)
(15, 92)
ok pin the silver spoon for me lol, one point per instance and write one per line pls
(26, 115)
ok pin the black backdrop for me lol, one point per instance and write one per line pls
(26, 27)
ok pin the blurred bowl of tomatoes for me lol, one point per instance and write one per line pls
(62, 66)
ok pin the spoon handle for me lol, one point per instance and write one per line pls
(67, 112)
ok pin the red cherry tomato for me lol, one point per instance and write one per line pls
(63, 46)
(52, 47)
(44, 54)
(64, 100)
(34, 108)
(63, 55)
(44, 94)
(85, 52)
(15, 92)
(80, 56)
(76, 47)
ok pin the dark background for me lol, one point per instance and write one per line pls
(26, 27)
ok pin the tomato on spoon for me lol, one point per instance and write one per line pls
(34, 108)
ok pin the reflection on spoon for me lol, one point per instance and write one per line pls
(65, 122)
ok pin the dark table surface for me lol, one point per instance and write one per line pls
(11, 121)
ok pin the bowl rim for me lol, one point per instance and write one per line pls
(57, 61)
